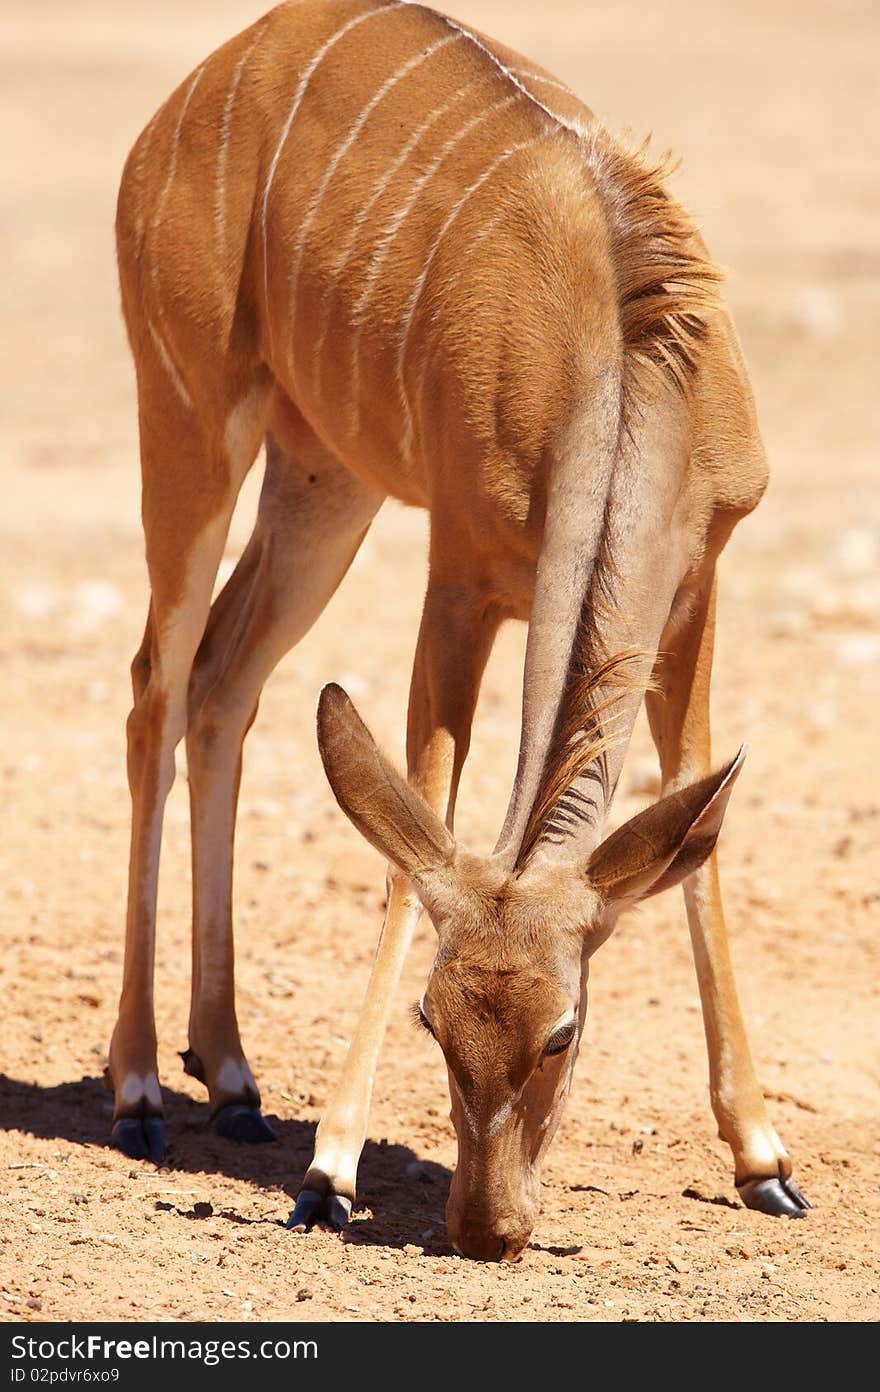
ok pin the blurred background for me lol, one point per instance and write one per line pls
(771, 105)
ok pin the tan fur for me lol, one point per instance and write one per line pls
(418, 267)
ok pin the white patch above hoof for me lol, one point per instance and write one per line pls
(134, 1089)
(235, 1077)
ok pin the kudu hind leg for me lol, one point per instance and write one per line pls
(155, 726)
(679, 718)
(313, 516)
(455, 638)
(189, 491)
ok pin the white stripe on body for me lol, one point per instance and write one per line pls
(149, 132)
(485, 231)
(547, 81)
(400, 159)
(155, 224)
(176, 380)
(223, 150)
(172, 169)
(297, 101)
(406, 445)
(342, 150)
(554, 115)
(386, 240)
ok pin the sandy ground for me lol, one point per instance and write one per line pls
(772, 108)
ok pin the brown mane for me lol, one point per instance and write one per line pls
(667, 291)
(666, 283)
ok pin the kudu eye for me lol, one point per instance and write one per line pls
(561, 1038)
(421, 1019)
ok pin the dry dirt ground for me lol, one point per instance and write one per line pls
(772, 106)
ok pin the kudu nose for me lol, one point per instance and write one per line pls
(486, 1244)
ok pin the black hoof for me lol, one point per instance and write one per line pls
(140, 1138)
(238, 1122)
(322, 1210)
(780, 1197)
(796, 1194)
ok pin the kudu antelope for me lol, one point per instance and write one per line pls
(416, 265)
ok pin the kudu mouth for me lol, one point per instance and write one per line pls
(490, 1242)
(490, 1214)
(482, 1251)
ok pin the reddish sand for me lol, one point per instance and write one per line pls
(773, 117)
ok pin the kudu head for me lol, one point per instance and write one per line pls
(506, 996)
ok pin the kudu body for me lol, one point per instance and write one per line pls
(416, 266)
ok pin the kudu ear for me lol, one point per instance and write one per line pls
(374, 796)
(667, 842)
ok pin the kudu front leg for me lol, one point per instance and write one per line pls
(313, 516)
(455, 639)
(678, 714)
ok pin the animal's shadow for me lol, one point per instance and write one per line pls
(405, 1195)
